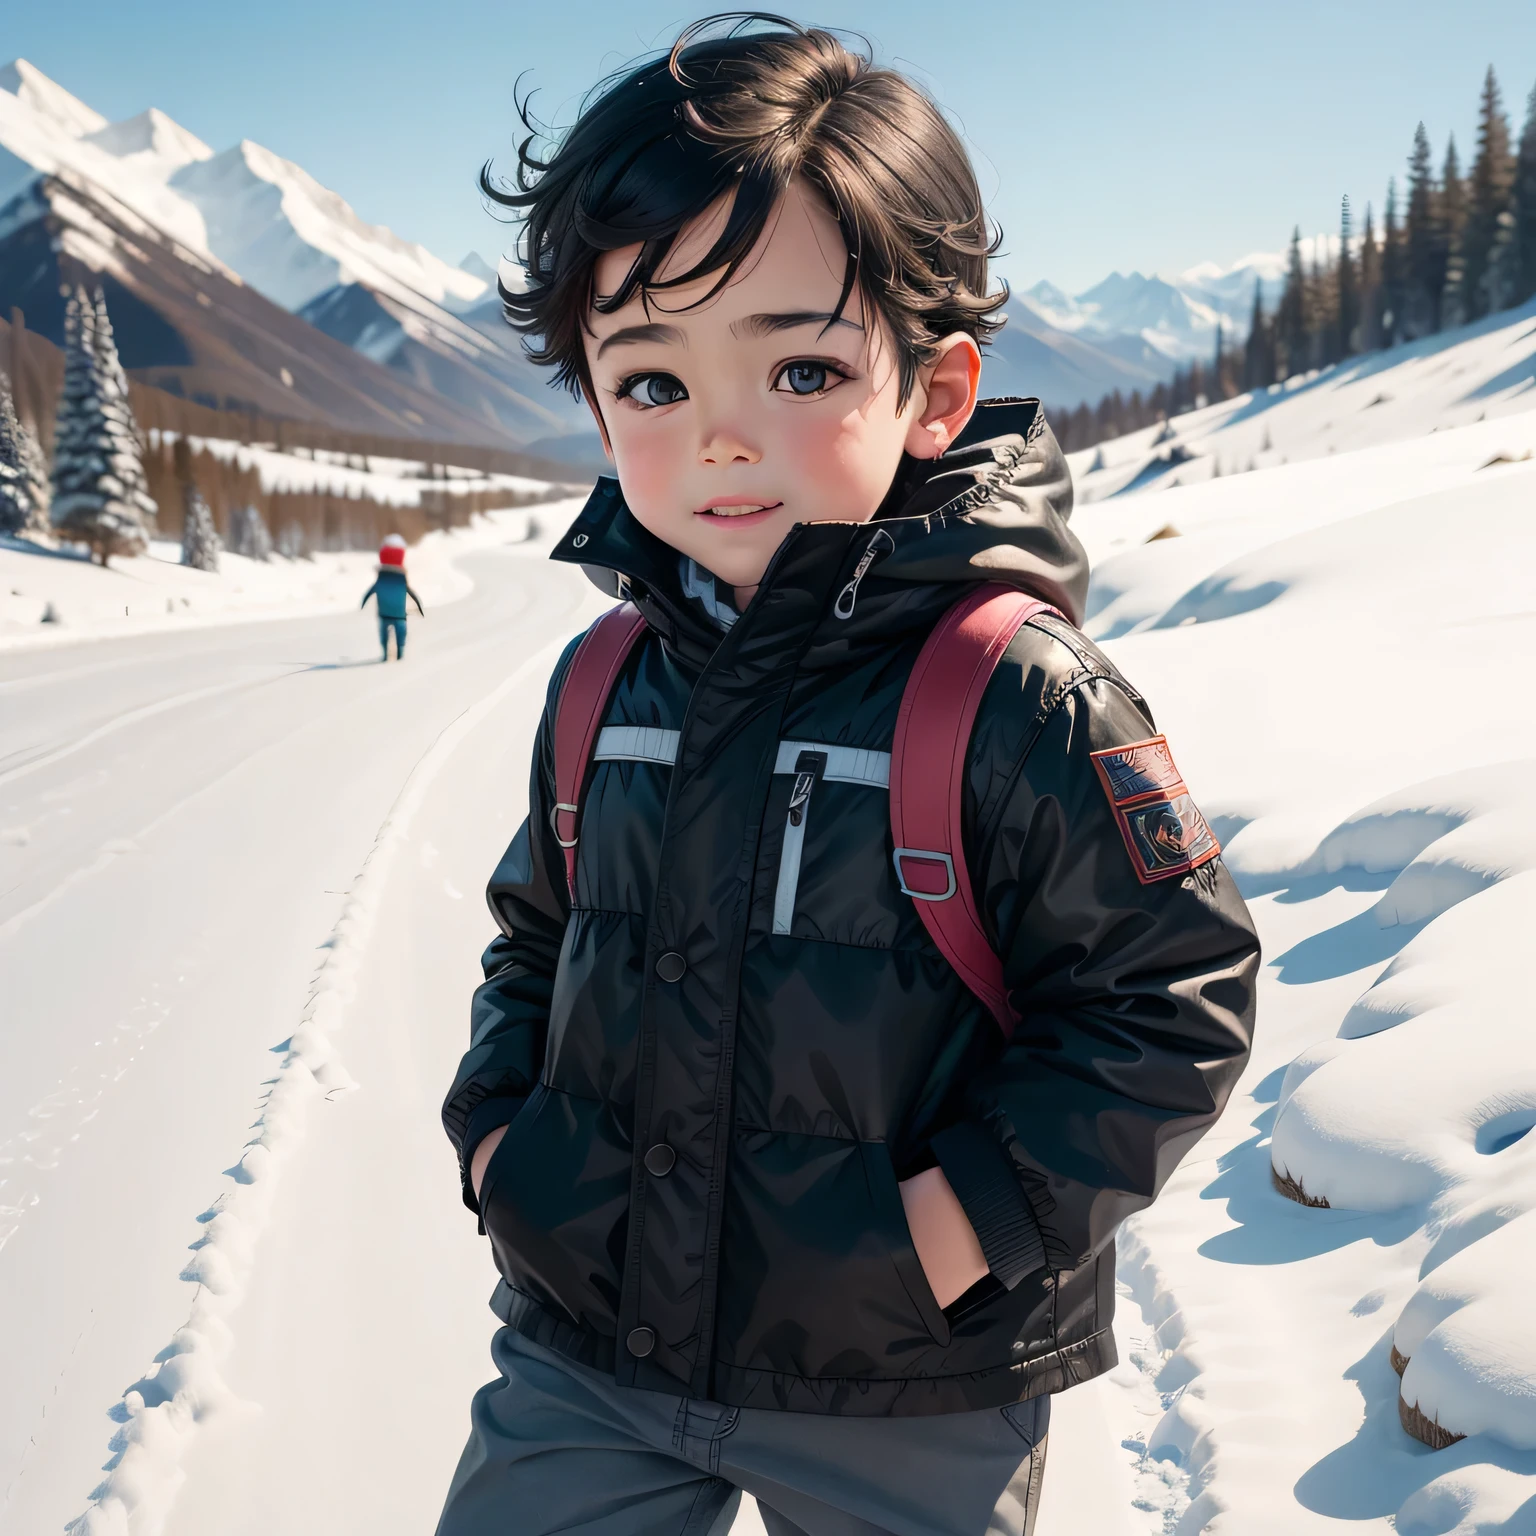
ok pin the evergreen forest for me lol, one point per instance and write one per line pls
(1451, 247)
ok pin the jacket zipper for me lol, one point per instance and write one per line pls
(881, 544)
(809, 767)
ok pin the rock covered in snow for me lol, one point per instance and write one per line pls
(1467, 1343)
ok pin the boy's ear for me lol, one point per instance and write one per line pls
(949, 384)
(602, 426)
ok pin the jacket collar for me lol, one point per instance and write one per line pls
(994, 508)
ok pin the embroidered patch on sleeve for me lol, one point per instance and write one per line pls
(1164, 832)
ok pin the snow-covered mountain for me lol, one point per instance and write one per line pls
(1030, 356)
(266, 223)
(1174, 315)
(269, 224)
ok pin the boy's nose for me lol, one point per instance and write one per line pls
(722, 445)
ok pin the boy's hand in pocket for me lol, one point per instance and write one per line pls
(483, 1154)
(946, 1243)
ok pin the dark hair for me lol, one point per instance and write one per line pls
(737, 107)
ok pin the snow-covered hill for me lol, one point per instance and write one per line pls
(1338, 646)
(1480, 372)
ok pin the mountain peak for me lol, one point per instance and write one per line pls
(477, 266)
(152, 133)
(48, 99)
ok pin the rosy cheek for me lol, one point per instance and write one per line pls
(646, 460)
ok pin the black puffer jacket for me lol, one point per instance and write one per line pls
(716, 1070)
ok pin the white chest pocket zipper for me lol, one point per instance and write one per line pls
(809, 767)
(811, 763)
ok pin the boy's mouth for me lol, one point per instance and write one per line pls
(739, 513)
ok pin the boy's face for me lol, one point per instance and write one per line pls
(731, 420)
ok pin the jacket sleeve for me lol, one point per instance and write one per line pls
(509, 1016)
(411, 594)
(369, 593)
(1136, 1000)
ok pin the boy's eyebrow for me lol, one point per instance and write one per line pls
(768, 324)
(628, 335)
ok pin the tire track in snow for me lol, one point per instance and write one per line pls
(47, 758)
(133, 842)
(160, 1413)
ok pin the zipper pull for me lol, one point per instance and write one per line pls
(881, 544)
(809, 767)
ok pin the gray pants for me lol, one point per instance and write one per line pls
(555, 1447)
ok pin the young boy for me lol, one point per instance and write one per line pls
(392, 589)
(777, 1205)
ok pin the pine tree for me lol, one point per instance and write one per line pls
(15, 483)
(1258, 352)
(130, 441)
(1347, 328)
(1370, 288)
(1321, 312)
(248, 533)
(98, 495)
(1425, 258)
(1450, 227)
(1394, 272)
(199, 538)
(24, 493)
(35, 462)
(1524, 209)
(1488, 193)
(1496, 289)
(1291, 316)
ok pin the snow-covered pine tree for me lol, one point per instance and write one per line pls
(35, 465)
(119, 410)
(97, 499)
(15, 483)
(248, 533)
(199, 538)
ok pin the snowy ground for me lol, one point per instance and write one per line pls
(214, 859)
(239, 918)
(154, 592)
(1340, 653)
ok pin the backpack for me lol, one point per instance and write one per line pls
(926, 768)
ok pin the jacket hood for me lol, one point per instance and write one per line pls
(995, 507)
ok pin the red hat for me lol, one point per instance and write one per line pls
(392, 550)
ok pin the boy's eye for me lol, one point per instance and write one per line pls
(805, 378)
(651, 389)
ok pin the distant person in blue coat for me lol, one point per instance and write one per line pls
(392, 590)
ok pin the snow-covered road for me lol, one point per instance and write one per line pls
(182, 829)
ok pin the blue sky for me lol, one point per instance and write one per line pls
(1106, 135)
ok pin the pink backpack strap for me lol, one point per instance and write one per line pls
(928, 763)
(584, 694)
